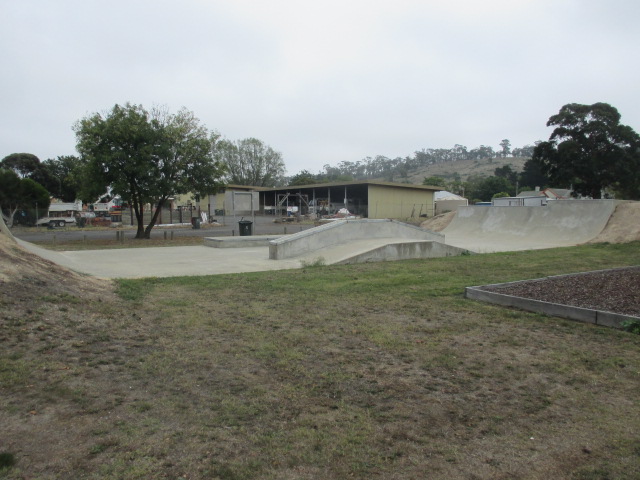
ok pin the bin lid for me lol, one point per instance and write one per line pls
(245, 222)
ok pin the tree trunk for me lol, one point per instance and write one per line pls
(4, 230)
(154, 219)
(8, 219)
(138, 209)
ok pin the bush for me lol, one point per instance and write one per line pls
(631, 326)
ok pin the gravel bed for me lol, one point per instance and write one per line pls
(616, 291)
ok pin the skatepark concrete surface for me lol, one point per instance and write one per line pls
(474, 229)
(485, 229)
(368, 240)
(163, 261)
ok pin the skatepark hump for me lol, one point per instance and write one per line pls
(484, 229)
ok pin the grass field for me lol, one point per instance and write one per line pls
(334, 372)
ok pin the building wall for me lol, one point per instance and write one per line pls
(399, 203)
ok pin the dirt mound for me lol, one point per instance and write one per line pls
(25, 274)
(439, 222)
(623, 226)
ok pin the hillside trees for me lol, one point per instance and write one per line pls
(590, 150)
(146, 157)
(506, 147)
(304, 177)
(381, 167)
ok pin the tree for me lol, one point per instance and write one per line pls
(590, 150)
(507, 172)
(525, 151)
(506, 147)
(435, 181)
(484, 188)
(303, 178)
(62, 177)
(20, 193)
(23, 164)
(146, 157)
(251, 162)
(532, 175)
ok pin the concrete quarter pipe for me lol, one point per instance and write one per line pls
(561, 223)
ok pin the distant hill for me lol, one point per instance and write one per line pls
(465, 168)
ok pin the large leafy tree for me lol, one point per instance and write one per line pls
(20, 193)
(590, 150)
(251, 162)
(532, 176)
(146, 157)
(484, 188)
(62, 177)
(23, 164)
(27, 165)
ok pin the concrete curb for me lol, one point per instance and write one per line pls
(586, 315)
(240, 242)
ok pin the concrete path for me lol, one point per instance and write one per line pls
(198, 260)
(164, 261)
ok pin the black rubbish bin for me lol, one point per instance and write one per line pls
(196, 224)
(245, 228)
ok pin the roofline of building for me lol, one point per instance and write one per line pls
(358, 182)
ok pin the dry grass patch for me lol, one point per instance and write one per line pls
(368, 371)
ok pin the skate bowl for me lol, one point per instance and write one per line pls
(484, 229)
(375, 233)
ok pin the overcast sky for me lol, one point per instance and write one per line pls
(320, 81)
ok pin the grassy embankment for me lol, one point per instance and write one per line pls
(370, 371)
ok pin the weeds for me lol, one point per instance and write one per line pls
(6, 460)
(317, 262)
(631, 326)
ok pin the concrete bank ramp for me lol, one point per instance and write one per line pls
(403, 250)
(561, 223)
(354, 241)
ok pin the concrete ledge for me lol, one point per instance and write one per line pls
(345, 231)
(405, 251)
(586, 315)
(240, 242)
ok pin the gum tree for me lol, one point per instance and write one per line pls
(147, 157)
(591, 150)
(251, 162)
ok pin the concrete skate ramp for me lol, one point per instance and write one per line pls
(403, 250)
(560, 223)
(347, 233)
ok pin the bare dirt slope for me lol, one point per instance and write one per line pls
(19, 269)
(439, 222)
(623, 226)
